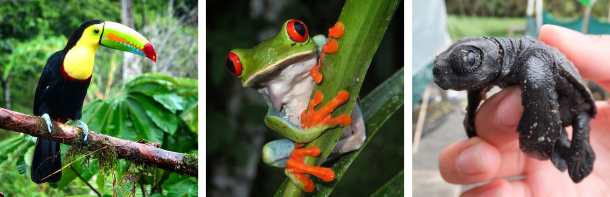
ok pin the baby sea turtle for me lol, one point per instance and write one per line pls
(553, 93)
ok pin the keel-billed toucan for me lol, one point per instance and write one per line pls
(64, 81)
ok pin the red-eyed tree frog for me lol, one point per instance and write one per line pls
(284, 70)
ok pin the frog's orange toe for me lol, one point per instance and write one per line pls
(331, 47)
(313, 118)
(317, 76)
(343, 120)
(337, 30)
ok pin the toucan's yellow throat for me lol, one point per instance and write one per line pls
(78, 63)
(82, 45)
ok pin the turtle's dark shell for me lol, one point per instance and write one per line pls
(553, 93)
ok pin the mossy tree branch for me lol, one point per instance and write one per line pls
(135, 152)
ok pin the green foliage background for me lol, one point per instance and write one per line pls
(30, 31)
(517, 8)
(238, 112)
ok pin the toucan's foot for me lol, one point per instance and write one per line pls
(83, 126)
(47, 119)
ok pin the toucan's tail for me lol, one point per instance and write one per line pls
(47, 159)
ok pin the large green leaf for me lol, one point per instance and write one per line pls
(170, 101)
(121, 125)
(394, 187)
(99, 116)
(151, 78)
(154, 107)
(179, 186)
(9, 145)
(162, 117)
(150, 105)
(144, 125)
(161, 93)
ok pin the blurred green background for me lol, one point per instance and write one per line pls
(235, 131)
(32, 30)
(494, 17)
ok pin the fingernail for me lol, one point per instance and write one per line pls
(510, 109)
(570, 34)
(470, 162)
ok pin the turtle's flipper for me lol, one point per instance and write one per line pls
(580, 163)
(561, 151)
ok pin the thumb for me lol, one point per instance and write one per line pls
(589, 53)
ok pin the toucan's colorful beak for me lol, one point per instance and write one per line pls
(121, 37)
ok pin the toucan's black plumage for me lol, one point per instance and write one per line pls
(63, 84)
(62, 99)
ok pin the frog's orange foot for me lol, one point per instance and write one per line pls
(317, 76)
(331, 47)
(296, 168)
(312, 118)
(336, 31)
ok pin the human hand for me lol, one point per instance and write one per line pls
(494, 154)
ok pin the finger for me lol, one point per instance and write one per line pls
(600, 132)
(497, 119)
(474, 161)
(498, 188)
(602, 118)
(496, 123)
(589, 53)
(469, 161)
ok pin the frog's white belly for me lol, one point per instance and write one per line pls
(290, 87)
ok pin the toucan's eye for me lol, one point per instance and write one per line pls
(297, 30)
(233, 64)
(96, 31)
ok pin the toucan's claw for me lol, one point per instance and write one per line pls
(83, 126)
(47, 119)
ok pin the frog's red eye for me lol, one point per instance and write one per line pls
(297, 30)
(233, 64)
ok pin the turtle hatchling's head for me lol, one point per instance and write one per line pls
(468, 64)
